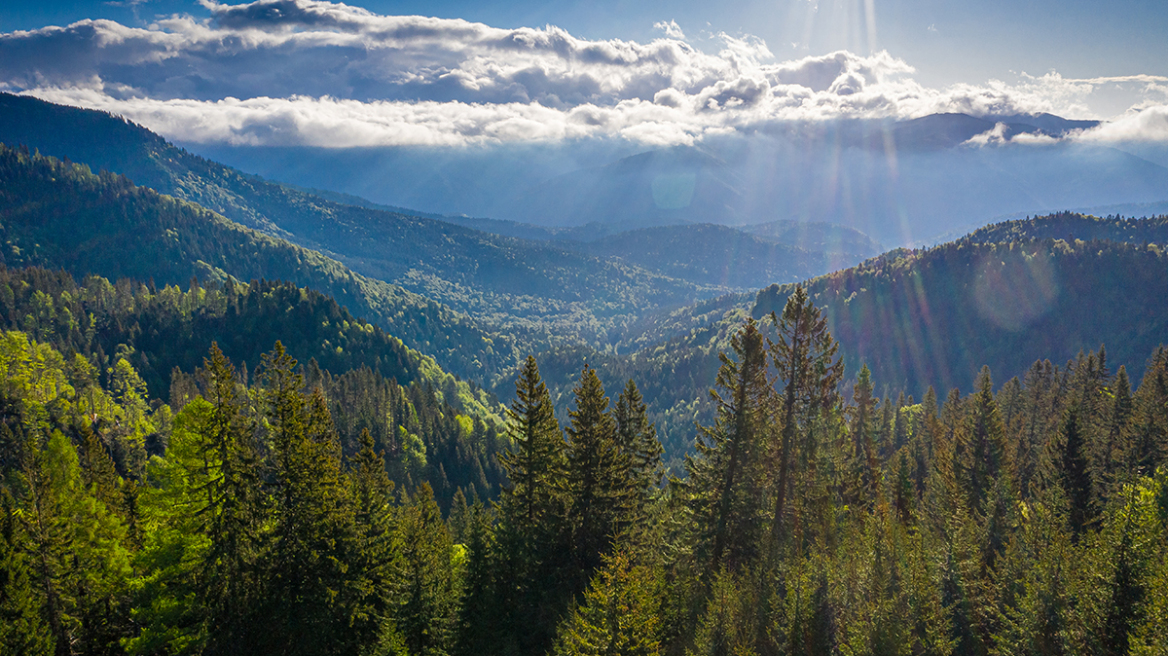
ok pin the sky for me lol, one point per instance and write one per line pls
(453, 72)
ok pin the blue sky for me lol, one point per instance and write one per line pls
(309, 71)
(947, 41)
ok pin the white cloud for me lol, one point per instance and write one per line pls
(313, 72)
(1145, 124)
(671, 29)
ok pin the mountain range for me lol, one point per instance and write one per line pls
(900, 182)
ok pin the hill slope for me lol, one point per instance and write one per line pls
(514, 285)
(930, 317)
(61, 215)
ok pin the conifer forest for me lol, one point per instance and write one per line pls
(250, 429)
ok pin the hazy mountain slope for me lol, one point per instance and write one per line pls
(898, 182)
(539, 290)
(825, 237)
(930, 317)
(895, 196)
(1071, 226)
(719, 254)
(61, 215)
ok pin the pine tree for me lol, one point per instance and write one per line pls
(809, 371)
(725, 473)
(599, 492)
(311, 590)
(638, 439)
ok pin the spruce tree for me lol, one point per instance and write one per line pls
(375, 565)
(619, 614)
(809, 372)
(600, 492)
(426, 612)
(533, 541)
(230, 583)
(638, 439)
(311, 589)
(479, 612)
(863, 464)
(725, 472)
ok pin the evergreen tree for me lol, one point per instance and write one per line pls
(863, 463)
(478, 609)
(534, 550)
(599, 491)
(311, 588)
(619, 613)
(637, 438)
(1074, 475)
(376, 560)
(805, 356)
(725, 473)
(22, 628)
(427, 608)
(985, 459)
(230, 583)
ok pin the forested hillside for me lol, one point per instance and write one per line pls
(812, 519)
(728, 257)
(932, 317)
(59, 214)
(546, 293)
(160, 331)
(543, 291)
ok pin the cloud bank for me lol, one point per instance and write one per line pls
(288, 72)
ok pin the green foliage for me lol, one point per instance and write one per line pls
(61, 215)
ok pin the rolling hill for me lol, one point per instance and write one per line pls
(58, 214)
(1004, 296)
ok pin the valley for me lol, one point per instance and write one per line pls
(241, 416)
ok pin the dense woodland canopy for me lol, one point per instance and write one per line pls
(231, 468)
(60, 214)
(1029, 517)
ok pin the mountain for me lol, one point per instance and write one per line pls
(896, 195)
(1005, 296)
(544, 293)
(58, 214)
(825, 237)
(719, 254)
(900, 182)
(538, 290)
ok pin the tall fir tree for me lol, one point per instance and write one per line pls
(600, 490)
(805, 357)
(637, 438)
(725, 472)
(311, 589)
(230, 583)
(535, 556)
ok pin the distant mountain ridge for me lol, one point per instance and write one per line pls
(1005, 296)
(900, 182)
(56, 214)
(545, 292)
